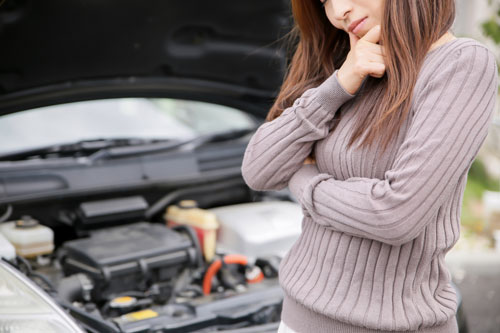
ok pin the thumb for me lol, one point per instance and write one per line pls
(353, 39)
(373, 35)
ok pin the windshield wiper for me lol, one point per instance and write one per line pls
(159, 147)
(75, 149)
(98, 149)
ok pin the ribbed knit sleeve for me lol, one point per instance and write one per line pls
(450, 122)
(279, 147)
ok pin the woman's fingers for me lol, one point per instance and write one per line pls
(309, 160)
(353, 39)
(373, 35)
(376, 49)
(365, 57)
(376, 58)
(377, 69)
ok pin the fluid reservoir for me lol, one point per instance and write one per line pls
(28, 236)
(7, 250)
(203, 221)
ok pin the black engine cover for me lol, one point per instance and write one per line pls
(131, 257)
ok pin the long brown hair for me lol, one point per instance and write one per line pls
(409, 27)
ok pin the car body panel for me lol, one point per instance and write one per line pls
(68, 50)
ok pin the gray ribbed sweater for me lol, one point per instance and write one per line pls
(376, 227)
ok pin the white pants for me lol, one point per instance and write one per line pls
(285, 329)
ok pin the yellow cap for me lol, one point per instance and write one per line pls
(141, 315)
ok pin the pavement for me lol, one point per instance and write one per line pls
(477, 274)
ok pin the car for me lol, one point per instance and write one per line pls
(123, 127)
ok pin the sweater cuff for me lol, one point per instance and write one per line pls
(331, 92)
(300, 178)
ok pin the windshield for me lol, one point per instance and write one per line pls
(158, 118)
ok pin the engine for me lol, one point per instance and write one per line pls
(136, 257)
(155, 276)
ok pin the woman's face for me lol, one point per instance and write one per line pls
(342, 13)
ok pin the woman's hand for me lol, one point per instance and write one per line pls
(310, 160)
(366, 57)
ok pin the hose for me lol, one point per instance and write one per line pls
(217, 264)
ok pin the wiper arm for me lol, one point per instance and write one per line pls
(170, 145)
(79, 148)
(99, 149)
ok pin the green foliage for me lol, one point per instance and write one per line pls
(478, 181)
(479, 175)
(473, 190)
(492, 30)
(491, 27)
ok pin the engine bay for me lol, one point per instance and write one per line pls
(189, 270)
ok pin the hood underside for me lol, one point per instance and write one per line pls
(66, 50)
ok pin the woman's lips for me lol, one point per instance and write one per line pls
(358, 27)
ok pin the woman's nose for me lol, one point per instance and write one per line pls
(341, 8)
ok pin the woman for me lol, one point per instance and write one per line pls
(374, 129)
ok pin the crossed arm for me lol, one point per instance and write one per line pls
(279, 147)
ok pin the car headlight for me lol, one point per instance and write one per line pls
(24, 307)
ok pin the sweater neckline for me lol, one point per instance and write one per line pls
(442, 46)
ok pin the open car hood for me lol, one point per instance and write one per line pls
(221, 51)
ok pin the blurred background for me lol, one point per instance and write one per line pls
(475, 259)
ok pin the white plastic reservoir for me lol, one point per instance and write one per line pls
(29, 238)
(7, 250)
(258, 228)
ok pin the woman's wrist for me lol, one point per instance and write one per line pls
(300, 178)
(349, 81)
